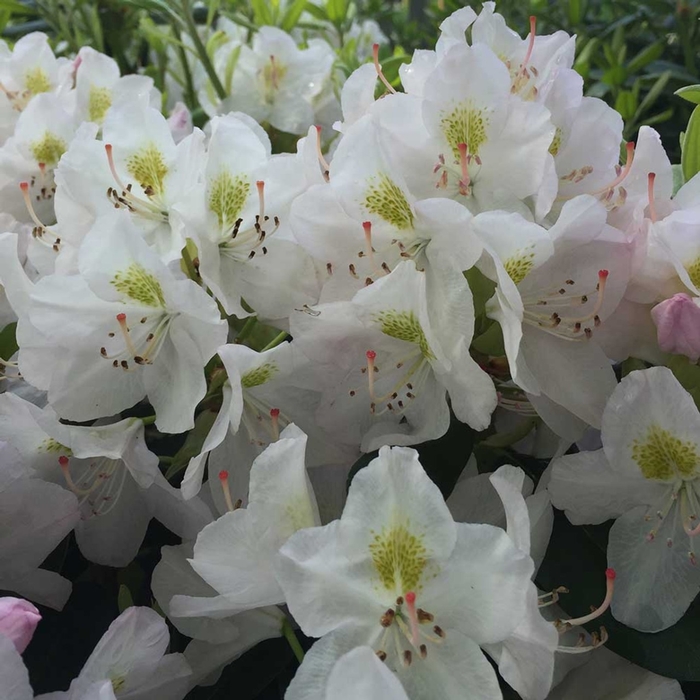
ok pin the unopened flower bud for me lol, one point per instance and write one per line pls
(18, 620)
(180, 122)
(678, 325)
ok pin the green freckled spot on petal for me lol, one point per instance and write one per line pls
(118, 683)
(48, 149)
(399, 557)
(386, 199)
(36, 81)
(259, 375)
(556, 142)
(149, 168)
(52, 446)
(519, 266)
(465, 124)
(693, 271)
(99, 101)
(661, 455)
(299, 514)
(227, 196)
(404, 325)
(139, 285)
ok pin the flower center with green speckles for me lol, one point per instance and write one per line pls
(385, 198)
(258, 375)
(148, 167)
(403, 325)
(693, 271)
(465, 124)
(399, 557)
(53, 446)
(99, 101)
(272, 74)
(519, 265)
(37, 81)
(556, 142)
(48, 149)
(662, 456)
(227, 196)
(139, 285)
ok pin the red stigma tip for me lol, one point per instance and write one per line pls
(371, 354)
(410, 597)
(610, 574)
(366, 225)
(121, 317)
(63, 461)
(24, 186)
(108, 147)
(603, 273)
(318, 128)
(274, 412)
(260, 183)
(223, 475)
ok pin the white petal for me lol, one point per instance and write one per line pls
(14, 679)
(359, 673)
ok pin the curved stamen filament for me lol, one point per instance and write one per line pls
(583, 648)
(378, 68)
(600, 291)
(623, 173)
(465, 181)
(410, 599)
(531, 42)
(585, 619)
(369, 250)
(319, 154)
(40, 229)
(371, 356)
(64, 463)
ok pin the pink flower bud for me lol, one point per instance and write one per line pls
(678, 325)
(18, 620)
(180, 122)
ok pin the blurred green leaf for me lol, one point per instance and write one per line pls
(654, 93)
(690, 157)
(193, 444)
(8, 341)
(691, 93)
(124, 599)
(645, 57)
(292, 15)
(626, 104)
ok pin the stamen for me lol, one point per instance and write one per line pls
(531, 44)
(378, 68)
(223, 479)
(610, 585)
(623, 173)
(274, 415)
(600, 291)
(319, 153)
(650, 185)
(64, 463)
(121, 320)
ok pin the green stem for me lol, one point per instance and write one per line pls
(190, 95)
(189, 264)
(165, 459)
(247, 329)
(148, 420)
(276, 341)
(202, 52)
(291, 637)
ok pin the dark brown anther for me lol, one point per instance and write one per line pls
(399, 600)
(577, 327)
(387, 619)
(103, 352)
(368, 281)
(264, 250)
(424, 617)
(562, 291)
(423, 651)
(149, 337)
(596, 321)
(439, 631)
(329, 268)
(352, 392)
(115, 363)
(584, 299)
(238, 504)
(386, 268)
(409, 385)
(409, 395)
(110, 334)
(139, 360)
(588, 332)
(569, 281)
(407, 657)
(124, 364)
(381, 655)
(390, 406)
(400, 404)
(144, 319)
(251, 255)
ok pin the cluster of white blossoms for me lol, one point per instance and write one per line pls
(471, 246)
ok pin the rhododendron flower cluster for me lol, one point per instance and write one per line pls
(262, 349)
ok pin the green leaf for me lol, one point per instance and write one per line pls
(646, 56)
(124, 599)
(18, 8)
(443, 459)
(687, 374)
(262, 12)
(490, 342)
(575, 12)
(615, 75)
(690, 157)
(691, 93)
(8, 341)
(654, 92)
(337, 10)
(626, 104)
(632, 364)
(678, 180)
(292, 15)
(576, 558)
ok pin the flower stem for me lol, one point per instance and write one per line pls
(291, 637)
(247, 329)
(148, 420)
(276, 341)
(202, 52)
